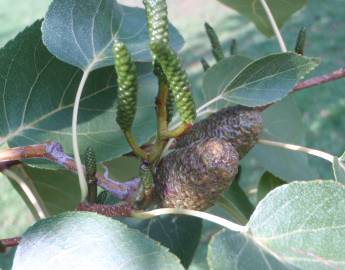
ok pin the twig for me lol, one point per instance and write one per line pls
(274, 26)
(10, 242)
(335, 75)
(117, 210)
(53, 151)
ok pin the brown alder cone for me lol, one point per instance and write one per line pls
(194, 176)
(239, 125)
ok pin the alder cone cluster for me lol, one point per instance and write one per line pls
(205, 160)
(193, 177)
(239, 125)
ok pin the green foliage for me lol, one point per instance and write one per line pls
(82, 33)
(69, 241)
(253, 10)
(296, 226)
(267, 183)
(42, 110)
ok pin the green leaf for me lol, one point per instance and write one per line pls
(338, 166)
(89, 241)
(219, 76)
(234, 251)
(267, 183)
(15, 216)
(181, 234)
(283, 123)
(6, 259)
(268, 79)
(37, 93)
(59, 189)
(299, 224)
(236, 203)
(253, 10)
(82, 33)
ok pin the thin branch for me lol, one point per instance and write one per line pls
(53, 151)
(10, 242)
(274, 26)
(298, 148)
(335, 75)
(117, 210)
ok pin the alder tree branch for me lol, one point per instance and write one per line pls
(53, 151)
(334, 75)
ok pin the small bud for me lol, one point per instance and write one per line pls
(215, 43)
(300, 42)
(204, 64)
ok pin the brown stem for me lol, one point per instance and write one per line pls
(53, 151)
(117, 210)
(335, 75)
(10, 242)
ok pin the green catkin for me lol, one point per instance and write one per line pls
(239, 125)
(127, 86)
(91, 168)
(205, 64)
(157, 20)
(217, 50)
(300, 42)
(177, 79)
(90, 163)
(193, 177)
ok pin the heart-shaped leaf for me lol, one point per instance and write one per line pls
(82, 33)
(89, 241)
(253, 10)
(37, 94)
(296, 226)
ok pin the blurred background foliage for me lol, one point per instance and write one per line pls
(322, 107)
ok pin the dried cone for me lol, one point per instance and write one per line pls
(239, 125)
(193, 177)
